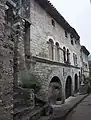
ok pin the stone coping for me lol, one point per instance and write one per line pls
(47, 61)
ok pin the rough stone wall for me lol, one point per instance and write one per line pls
(47, 71)
(6, 67)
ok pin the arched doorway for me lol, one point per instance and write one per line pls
(68, 87)
(76, 83)
(55, 90)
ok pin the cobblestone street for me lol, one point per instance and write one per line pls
(82, 111)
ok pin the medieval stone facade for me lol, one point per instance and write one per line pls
(35, 37)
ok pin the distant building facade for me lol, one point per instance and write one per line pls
(85, 64)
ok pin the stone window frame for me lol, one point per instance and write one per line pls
(51, 48)
(68, 56)
(57, 52)
(75, 59)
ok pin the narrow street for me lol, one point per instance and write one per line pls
(82, 111)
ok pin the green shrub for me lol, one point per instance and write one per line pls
(30, 80)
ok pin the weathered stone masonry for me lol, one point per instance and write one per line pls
(6, 66)
(26, 45)
(45, 24)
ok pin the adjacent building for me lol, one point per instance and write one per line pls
(84, 61)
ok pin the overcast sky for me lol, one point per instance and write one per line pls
(78, 15)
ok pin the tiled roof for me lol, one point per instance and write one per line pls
(84, 49)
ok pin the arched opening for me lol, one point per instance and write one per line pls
(76, 83)
(68, 87)
(55, 90)
(51, 53)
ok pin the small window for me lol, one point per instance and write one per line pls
(53, 22)
(72, 42)
(66, 34)
(75, 42)
(68, 56)
(64, 54)
(71, 36)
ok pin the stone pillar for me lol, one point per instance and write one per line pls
(63, 93)
(6, 66)
(54, 51)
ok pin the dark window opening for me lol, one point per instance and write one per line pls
(64, 54)
(59, 99)
(75, 42)
(68, 56)
(66, 34)
(72, 42)
(53, 22)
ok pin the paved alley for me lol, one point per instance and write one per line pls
(82, 111)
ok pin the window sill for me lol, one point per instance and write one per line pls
(52, 62)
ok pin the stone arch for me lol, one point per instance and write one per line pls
(55, 90)
(76, 83)
(51, 49)
(68, 87)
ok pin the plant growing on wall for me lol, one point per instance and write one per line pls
(30, 80)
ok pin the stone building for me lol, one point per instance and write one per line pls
(85, 65)
(40, 40)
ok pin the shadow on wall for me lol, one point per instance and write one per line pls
(55, 90)
(68, 87)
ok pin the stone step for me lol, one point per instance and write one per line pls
(36, 114)
(21, 111)
(25, 113)
(44, 118)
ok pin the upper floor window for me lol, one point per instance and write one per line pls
(68, 56)
(66, 35)
(57, 54)
(75, 42)
(64, 54)
(72, 42)
(75, 58)
(51, 53)
(53, 22)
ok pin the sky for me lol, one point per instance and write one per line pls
(78, 15)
